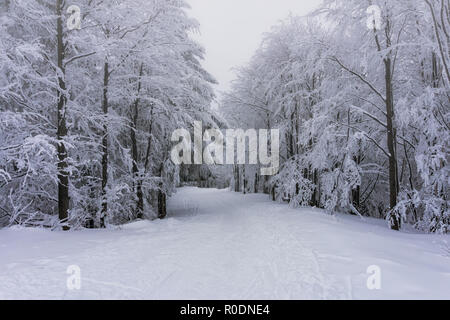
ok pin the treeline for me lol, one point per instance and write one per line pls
(363, 107)
(86, 113)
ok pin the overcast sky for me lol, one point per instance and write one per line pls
(231, 30)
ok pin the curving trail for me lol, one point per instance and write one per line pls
(221, 245)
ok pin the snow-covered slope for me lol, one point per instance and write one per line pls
(221, 245)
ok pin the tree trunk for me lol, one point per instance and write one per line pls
(244, 191)
(134, 149)
(441, 42)
(356, 194)
(435, 71)
(391, 143)
(149, 143)
(63, 175)
(105, 106)
(266, 187)
(162, 198)
(391, 131)
(316, 194)
(237, 187)
(162, 207)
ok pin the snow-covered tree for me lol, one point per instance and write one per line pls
(362, 106)
(86, 111)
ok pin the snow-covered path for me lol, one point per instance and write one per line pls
(221, 245)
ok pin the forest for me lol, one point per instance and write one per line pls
(86, 114)
(361, 100)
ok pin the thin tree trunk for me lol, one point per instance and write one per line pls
(162, 198)
(237, 187)
(391, 143)
(105, 106)
(391, 131)
(63, 175)
(150, 139)
(266, 187)
(162, 207)
(244, 180)
(134, 148)
(356, 194)
(316, 190)
(443, 54)
(435, 71)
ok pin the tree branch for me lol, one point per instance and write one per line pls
(371, 86)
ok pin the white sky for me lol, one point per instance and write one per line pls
(231, 30)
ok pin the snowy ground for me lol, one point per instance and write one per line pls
(222, 245)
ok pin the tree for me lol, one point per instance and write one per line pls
(363, 111)
(132, 66)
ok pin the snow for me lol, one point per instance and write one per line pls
(222, 245)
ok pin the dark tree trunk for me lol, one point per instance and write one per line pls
(162, 198)
(149, 142)
(105, 106)
(237, 187)
(356, 194)
(289, 146)
(315, 180)
(391, 131)
(266, 187)
(63, 175)
(134, 149)
(244, 181)
(162, 207)
(391, 143)
(435, 75)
